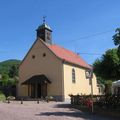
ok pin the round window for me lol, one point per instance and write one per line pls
(33, 56)
(44, 54)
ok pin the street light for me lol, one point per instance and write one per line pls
(89, 75)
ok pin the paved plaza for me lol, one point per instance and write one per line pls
(30, 110)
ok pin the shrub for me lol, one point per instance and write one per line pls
(2, 96)
(11, 98)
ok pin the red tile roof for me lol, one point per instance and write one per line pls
(68, 56)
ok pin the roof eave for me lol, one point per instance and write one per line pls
(71, 63)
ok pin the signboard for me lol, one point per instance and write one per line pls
(89, 74)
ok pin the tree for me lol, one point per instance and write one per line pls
(5, 79)
(108, 66)
(116, 39)
(5, 66)
(13, 71)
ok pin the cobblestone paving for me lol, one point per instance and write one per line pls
(30, 110)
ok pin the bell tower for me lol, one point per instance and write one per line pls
(44, 32)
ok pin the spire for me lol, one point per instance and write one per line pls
(44, 25)
(44, 17)
(44, 32)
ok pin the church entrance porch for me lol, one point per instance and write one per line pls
(37, 86)
(38, 90)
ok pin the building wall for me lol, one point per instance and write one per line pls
(49, 65)
(81, 86)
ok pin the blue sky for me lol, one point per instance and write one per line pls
(83, 26)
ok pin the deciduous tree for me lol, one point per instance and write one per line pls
(108, 66)
(116, 39)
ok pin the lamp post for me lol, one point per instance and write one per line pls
(89, 75)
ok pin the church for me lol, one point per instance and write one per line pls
(51, 70)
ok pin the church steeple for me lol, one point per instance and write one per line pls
(44, 32)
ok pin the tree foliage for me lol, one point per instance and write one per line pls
(116, 39)
(7, 66)
(13, 71)
(108, 66)
(5, 79)
(9, 72)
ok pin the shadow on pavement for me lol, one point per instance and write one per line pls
(73, 113)
(63, 106)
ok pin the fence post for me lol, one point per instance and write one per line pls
(38, 101)
(21, 100)
(8, 100)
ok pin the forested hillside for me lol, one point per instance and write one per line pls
(7, 65)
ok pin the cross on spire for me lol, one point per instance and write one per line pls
(44, 17)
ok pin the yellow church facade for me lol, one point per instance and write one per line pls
(51, 70)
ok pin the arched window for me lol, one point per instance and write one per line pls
(73, 75)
